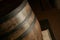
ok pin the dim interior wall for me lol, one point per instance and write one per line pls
(58, 4)
(54, 19)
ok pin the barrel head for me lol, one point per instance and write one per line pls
(7, 6)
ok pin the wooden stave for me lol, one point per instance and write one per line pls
(21, 39)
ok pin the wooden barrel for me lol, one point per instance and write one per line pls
(18, 23)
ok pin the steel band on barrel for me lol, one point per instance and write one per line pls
(13, 13)
(27, 31)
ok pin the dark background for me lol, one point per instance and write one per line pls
(47, 9)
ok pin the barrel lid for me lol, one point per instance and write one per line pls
(7, 6)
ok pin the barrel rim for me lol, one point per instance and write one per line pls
(14, 12)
